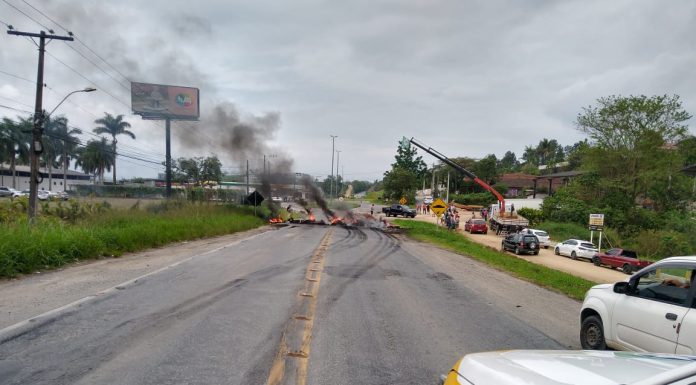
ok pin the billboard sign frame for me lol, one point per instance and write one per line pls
(159, 101)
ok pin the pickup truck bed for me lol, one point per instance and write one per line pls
(627, 260)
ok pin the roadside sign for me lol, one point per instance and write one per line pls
(438, 207)
(596, 222)
(254, 199)
(403, 200)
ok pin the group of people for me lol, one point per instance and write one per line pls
(422, 208)
(451, 218)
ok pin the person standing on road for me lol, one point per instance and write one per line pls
(372, 209)
(512, 209)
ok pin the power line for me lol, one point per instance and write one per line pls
(15, 109)
(17, 76)
(30, 18)
(14, 101)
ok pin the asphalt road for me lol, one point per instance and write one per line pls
(300, 304)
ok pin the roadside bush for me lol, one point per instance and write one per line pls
(658, 244)
(534, 216)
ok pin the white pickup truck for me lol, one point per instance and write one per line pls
(652, 312)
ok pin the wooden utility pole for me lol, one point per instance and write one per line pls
(37, 131)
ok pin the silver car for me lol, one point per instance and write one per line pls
(544, 239)
(576, 248)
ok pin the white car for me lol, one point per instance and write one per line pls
(543, 236)
(576, 248)
(551, 367)
(651, 312)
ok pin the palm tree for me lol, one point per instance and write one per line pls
(14, 142)
(52, 143)
(66, 147)
(113, 125)
(94, 158)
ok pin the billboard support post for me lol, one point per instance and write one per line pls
(165, 102)
(169, 157)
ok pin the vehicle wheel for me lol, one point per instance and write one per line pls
(573, 255)
(546, 247)
(557, 251)
(517, 250)
(628, 269)
(592, 334)
(596, 261)
(502, 246)
(536, 253)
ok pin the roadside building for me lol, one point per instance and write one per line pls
(53, 182)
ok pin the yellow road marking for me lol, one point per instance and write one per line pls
(299, 326)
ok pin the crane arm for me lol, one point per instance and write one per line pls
(461, 169)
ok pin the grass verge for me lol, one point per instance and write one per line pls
(559, 281)
(52, 243)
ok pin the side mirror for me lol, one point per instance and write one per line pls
(622, 288)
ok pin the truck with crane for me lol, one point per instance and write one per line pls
(501, 217)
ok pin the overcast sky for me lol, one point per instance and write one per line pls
(468, 78)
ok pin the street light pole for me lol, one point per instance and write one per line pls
(333, 137)
(338, 159)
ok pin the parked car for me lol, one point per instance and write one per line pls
(552, 367)
(627, 260)
(543, 236)
(576, 248)
(521, 243)
(5, 192)
(41, 195)
(396, 210)
(17, 193)
(476, 225)
(57, 195)
(652, 311)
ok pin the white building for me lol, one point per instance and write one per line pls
(53, 183)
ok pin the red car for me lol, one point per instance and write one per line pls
(476, 225)
(627, 260)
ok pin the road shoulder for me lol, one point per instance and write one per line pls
(34, 294)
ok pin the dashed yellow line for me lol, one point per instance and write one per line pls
(292, 359)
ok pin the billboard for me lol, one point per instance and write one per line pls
(156, 101)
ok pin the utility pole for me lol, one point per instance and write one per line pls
(247, 177)
(447, 199)
(432, 185)
(333, 137)
(338, 159)
(168, 123)
(37, 131)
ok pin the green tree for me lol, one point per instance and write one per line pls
(360, 186)
(14, 143)
(113, 125)
(508, 163)
(407, 172)
(66, 148)
(632, 143)
(54, 128)
(197, 170)
(95, 158)
(486, 169)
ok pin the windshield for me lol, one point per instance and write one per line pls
(587, 245)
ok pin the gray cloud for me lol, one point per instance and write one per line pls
(468, 78)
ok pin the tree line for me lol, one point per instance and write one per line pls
(632, 168)
(61, 145)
